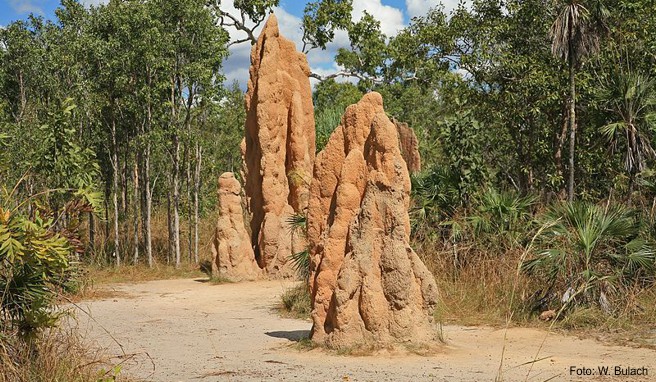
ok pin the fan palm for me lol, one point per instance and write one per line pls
(629, 95)
(593, 253)
(575, 34)
(503, 214)
(297, 224)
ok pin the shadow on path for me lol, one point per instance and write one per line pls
(292, 335)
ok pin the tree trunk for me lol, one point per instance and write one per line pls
(115, 170)
(558, 155)
(92, 234)
(169, 215)
(572, 125)
(124, 183)
(187, 155)
(108, 192)
(136, 210)
(190, 215)
(176, 199)
(146, 210)
(199, 159)
(147, 207)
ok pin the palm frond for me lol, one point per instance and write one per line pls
(301, 261)
(297, 223)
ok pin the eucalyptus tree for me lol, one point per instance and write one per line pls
(109, 57)
(196, 50)
(22, 92)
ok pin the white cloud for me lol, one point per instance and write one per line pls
(26, 6)
(418, 8)
(391, 19)
(95, 3)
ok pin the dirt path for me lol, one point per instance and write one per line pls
(185, 330)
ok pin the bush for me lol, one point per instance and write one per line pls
(33, 264)
(502, 220)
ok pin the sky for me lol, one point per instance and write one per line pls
(393, 15)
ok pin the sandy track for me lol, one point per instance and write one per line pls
(186, 330)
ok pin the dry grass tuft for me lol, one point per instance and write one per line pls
(480, 292)
(56, 355)
(296, 303)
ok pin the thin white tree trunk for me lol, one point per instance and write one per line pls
(572, 127)
(199, 159)
(176, 199)
(147, 211)
(117, 255)
(136, 211)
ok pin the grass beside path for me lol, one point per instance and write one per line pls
(140, 273)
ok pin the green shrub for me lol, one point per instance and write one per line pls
(33, 263)
(326, 121)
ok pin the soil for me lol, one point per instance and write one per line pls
(189, 330)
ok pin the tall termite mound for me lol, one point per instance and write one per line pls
(368, 286)
(278, 148)
(232, 253)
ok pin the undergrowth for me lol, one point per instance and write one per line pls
(56, 354)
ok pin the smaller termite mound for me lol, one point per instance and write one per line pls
(368, 286)
(232, 254)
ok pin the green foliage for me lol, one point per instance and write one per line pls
(255, 9)
(298, 226)
(630, 97)
(60, 159)
(326, 122)
(435, 194)
(463, 145)
(504, 216)
(368, 50)
(322, 18)
(4, 158)
(33, 261)
(330, 94)
(592, 254)
(420, 51)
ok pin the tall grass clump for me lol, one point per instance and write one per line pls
(296, 302)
